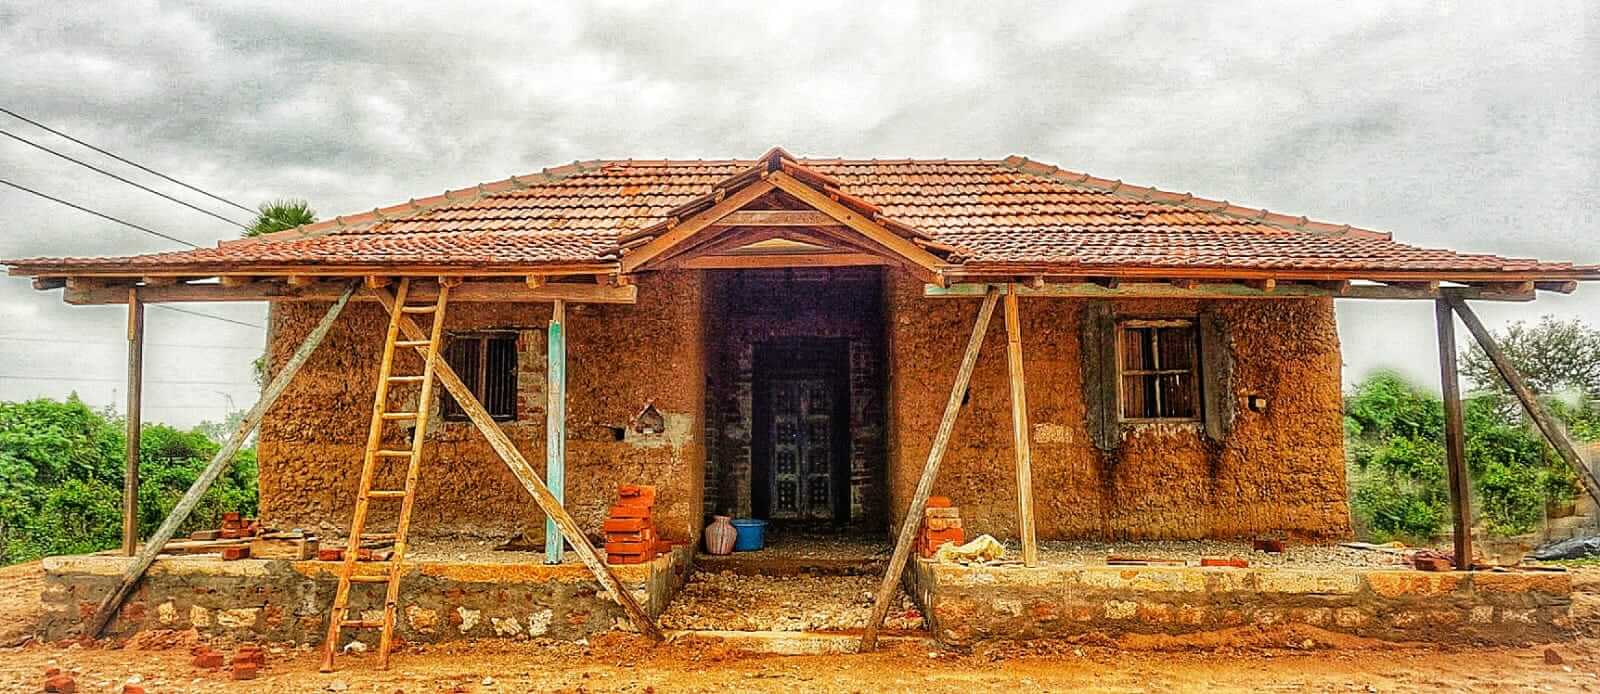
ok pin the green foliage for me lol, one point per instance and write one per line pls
(1553, 356)
(61, 468)
(279, 215)
(1399, 485)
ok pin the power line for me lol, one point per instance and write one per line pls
(212, 317)
(109, 379)
(18, 338)
(140, 186)
(101, 215)
(134, 164)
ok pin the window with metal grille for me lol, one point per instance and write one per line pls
(487, 363)
(1158, 362)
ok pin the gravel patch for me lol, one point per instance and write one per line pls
(734, 602)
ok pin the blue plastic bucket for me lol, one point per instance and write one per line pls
(751, 534)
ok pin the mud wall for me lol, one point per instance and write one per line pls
(618, 358)
(752, 307)
(1280, 471)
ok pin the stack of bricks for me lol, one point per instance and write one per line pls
(630, 530)
(941, 523)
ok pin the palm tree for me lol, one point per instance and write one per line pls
(278, 215)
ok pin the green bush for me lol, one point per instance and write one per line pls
(1399, 488)
(61, 468)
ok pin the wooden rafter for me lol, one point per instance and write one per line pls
(696, 223)
(921, 263)
(776, 218)
(748, 262)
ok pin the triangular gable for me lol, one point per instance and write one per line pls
(777, 212)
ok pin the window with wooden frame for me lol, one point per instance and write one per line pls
(487, 363)
(1158, 366)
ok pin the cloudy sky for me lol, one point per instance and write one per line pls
(1471, 127)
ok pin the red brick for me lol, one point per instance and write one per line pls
(209, 660)
(1234, 562)
(244, 671)
(235, 553)
(131, 688)
(625, 511)
(330, 554)
(938, 502)
(624, 525)
(60, 684)
(1269, 546)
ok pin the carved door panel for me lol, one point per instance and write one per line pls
(802, 449)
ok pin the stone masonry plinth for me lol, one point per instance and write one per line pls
(287, 601)
(966, 605)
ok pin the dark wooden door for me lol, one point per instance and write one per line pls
(802, 448)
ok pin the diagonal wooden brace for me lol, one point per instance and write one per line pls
(219, 462)
(525, 474)
(930, 472)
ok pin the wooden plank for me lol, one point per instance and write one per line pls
(776, 218)
(130, 472)
(921, 263)
(675, 235)
(524, 473)
(1455, 440)
(1552, 430)
(1019, 430)
(473, 292)
(219, 462)
(740, 262)
(555, 426)
(930, 471)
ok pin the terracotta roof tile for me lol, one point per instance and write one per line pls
(994, 214)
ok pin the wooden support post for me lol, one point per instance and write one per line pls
(555, 426)
(1455, 446)
(130, 474)
(525, 474)
(1547, 425)
(219, 462)
(930, 470)
(1019, 430)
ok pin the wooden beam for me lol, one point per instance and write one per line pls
(48, 283)
(219, 462)
(1561, 287)
(235, 281)
(555, 425)
(775, 260)
(160, 281)
(302, 280)
(507, 450)
(1264, 285)
(930, 471)
(922, 263)
(377, 281)
(327, 291)
(693, 225)
(1210, 290)
(1019, 430)
(130, 472)
(536, 281)
(1553, 432)
(776, 218)
(1455, 442)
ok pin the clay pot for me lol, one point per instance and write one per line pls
(720, 535)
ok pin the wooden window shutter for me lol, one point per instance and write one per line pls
(1098, 345)
(1216, 373)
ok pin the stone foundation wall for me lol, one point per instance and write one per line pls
(287, 602)
(965, 605)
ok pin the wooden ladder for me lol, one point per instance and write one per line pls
(375, 455)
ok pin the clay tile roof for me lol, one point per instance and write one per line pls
(984, 215)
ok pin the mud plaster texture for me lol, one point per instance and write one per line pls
(288, 601)
(747, 309)
(1278, 472)
(618, 358)
(970, 604)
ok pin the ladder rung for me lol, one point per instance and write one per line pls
(386, 493)
(366, 578)
(387, 453)
(411, 343)
(405, 379)
(361, 624)
(416, 309)
(399, 415)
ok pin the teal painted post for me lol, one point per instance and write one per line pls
(555, 427)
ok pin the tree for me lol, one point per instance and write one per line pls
(1553, 355)
(278, 215)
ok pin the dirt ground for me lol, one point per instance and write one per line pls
(1291, 660)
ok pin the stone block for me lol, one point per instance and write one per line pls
(1351, 617)
(1412, 584)
(1523, 582)
(1308, 582)
(1121, 609)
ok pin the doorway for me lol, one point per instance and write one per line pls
(800, 452)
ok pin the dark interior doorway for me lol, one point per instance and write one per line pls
(800, 434)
